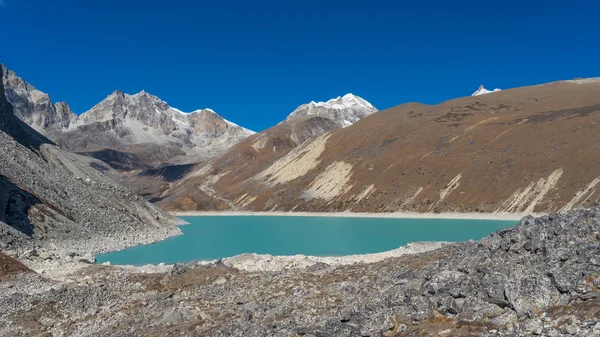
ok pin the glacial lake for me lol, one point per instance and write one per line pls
(214, 237)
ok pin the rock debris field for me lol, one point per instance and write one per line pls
(539, 278)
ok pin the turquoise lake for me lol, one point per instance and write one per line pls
(214, 237)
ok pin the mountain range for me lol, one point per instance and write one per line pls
(59, 200)
(141, 131)
(126, 131)
(523, 150)
(526, 149)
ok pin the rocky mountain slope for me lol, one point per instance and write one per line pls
(539, 278)
(126, 131)
(58, 201)
(33, 106)
(344, 111)
(244, 160)
(260, 150)
(530, 149)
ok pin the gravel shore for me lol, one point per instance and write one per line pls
(538, 278)
(400, 215)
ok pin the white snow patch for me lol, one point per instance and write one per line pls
(237, 126)
(344, 110)
(585, 80)
(483, 91)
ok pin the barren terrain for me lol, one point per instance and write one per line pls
(524, 150)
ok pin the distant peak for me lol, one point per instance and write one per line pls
(8, 73)
(345, 101)
(199, 111)
(482, 91)
(344, 110)
(143, 93)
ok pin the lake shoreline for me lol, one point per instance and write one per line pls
(395, 215)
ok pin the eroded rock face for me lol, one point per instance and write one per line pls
(260, 150)
(33, 106)
(538, 278)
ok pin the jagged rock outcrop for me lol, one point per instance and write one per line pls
(140, 125)
(33, 106)
(344, 111)
(196, 129)
(538, 278)
(54, 199)
(144, 126)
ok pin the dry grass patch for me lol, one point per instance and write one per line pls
(10, 267)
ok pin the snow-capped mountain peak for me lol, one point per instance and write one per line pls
(152, 111)
(344, 110)
(139, 123)
(232, 124)
(483, 91)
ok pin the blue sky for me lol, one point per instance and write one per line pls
(254, 61)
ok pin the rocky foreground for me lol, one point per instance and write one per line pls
(539, 278)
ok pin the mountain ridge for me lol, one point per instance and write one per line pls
(514, 151)
(141, 124)
(343, 110)
(57, 200)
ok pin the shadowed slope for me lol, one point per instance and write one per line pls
(50, 197)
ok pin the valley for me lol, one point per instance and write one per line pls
(299, 169)
(74, 186)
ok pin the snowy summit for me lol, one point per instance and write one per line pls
(344, 111)
(483, 91)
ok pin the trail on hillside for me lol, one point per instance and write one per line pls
(207, 188)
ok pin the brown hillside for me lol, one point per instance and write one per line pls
(529, 149)
(243, 161)
(10, 266)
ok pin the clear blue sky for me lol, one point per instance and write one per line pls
(255, 61)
